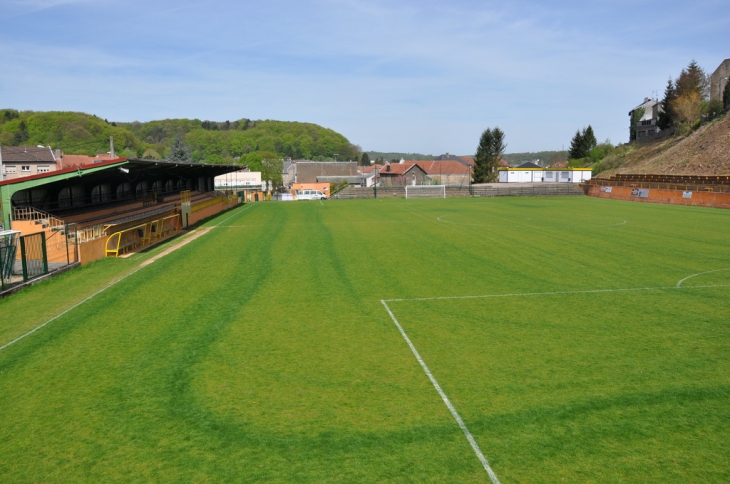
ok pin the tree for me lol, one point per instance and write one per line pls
(271, 168)
(490, 150)
(364, 159)
(688, 107)
(667, 117)
(22, 135)
(693, 79)
(589, 139)
(582, 143)
(179, 151)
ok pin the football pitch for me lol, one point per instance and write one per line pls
(566, 339)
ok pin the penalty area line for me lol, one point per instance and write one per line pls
(454, 413)
(556, 293)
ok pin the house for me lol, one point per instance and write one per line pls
(20, 161)
(447, 172)
(402, 174)
(645, 127)
(305, 171)
(719, 79)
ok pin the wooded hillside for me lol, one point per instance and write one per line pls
(210, 141)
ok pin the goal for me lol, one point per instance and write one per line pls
(426, 191)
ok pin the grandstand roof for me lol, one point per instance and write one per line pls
(112, 171)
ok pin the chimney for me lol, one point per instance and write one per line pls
(646, 99)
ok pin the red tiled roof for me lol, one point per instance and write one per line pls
(369, 169)
(396, 168)
(79, 160)
(433, 167)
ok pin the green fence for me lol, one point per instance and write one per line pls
(8, 249)
(33, 255)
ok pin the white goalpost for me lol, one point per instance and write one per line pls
(425, 191)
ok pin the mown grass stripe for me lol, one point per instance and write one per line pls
(445, 398)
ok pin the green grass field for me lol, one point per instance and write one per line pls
(262, 351)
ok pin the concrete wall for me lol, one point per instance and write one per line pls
(199, 215)
(673, 197)
(92, 250)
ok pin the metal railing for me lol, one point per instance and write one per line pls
(32, 214)
(138, 236)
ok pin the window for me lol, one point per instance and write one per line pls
(9, 169)
(25, 168)
(647, 122)
(43, 169)
(642, 134)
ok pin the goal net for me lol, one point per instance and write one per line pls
(426, 191)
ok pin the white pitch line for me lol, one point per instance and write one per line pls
(622, 222)
(186, 241)
(67, 310)
(699, 274)
(446, 400)
(228, 218)
(553, 293)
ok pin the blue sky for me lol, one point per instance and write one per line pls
(414, 76)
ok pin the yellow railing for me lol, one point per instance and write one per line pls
(140, 235)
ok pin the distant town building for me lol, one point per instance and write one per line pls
(646, 127)
(20, 161)
(719, 79)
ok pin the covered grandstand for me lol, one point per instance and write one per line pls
(86, 205)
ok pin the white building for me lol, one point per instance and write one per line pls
(544, 175)
(238, 179)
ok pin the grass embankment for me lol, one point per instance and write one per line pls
(261, 351)
(700, 152)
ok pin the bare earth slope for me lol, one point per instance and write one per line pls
(703, 152)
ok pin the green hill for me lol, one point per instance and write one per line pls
(210, 141)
